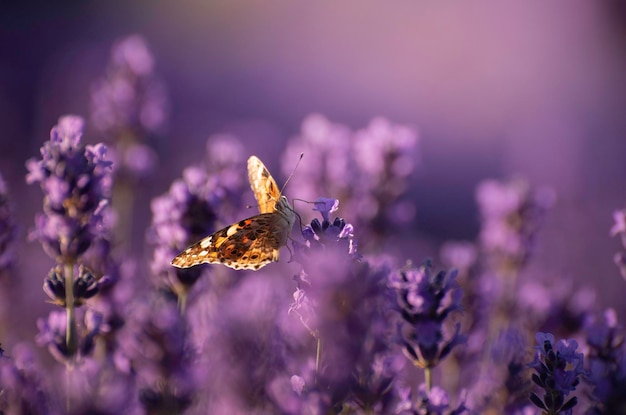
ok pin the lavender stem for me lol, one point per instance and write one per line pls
(70, 334)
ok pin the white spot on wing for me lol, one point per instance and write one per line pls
(206, 242)
(232, 230)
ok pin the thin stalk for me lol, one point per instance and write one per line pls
(318, 356)
(182, 302)
(70, 333)
(428, 378)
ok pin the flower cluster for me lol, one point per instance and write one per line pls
(343, 303)
(75, 230)
(8, 236)
(129, 104)
(23, 388)
(153, 346)
(558, 372)
(512, 212)
(53, 332)
(425, 301)
(380, 159)
(607, 364)
(427, 402)
(8, 229)
(76, 183)
(619, 229)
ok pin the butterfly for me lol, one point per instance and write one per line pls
(250, 243)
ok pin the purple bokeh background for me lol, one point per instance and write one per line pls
(495, 90)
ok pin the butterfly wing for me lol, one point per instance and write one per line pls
(263, 185)
(249, 244)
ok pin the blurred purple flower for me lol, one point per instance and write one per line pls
(460, 255)
(153, 346)
(22, 384)
(557, 307)
(379, 160)
(130, 101)
(343, 302)
(52, 333)
(511, 213)
(96, 387)
(425, 301)
(558, 371)
(619, 228)
(76, 183)
(225, 162)
(607, 364)
(8, 230)
(433, 401)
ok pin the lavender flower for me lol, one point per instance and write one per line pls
(96, 387)
(326, 234)
(503, 381)
(558, 372)
(153, 346)
(76, 183)
(558, 307)
(8, 235)
(511, 213)
(85, 286)
(129, 108)
(53, 331)
(8, 230)
(380, 160)
(607, 364)
(22, 384)
(619, 228)
(425, 301)
(342, 301)
(460, 255)
(430, 401)
(129, 104)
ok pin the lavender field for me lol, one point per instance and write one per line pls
(455, 178)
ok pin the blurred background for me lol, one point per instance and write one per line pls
(494, 90)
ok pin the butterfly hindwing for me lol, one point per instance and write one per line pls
(250, 243)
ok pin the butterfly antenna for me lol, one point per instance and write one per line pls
(291, 174)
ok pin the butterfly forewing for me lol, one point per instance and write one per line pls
(263, 185)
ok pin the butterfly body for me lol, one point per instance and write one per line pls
(250, 243)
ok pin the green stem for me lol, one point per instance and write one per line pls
(182, 303)
(70, 333)
(428, 378)
(318, 356)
